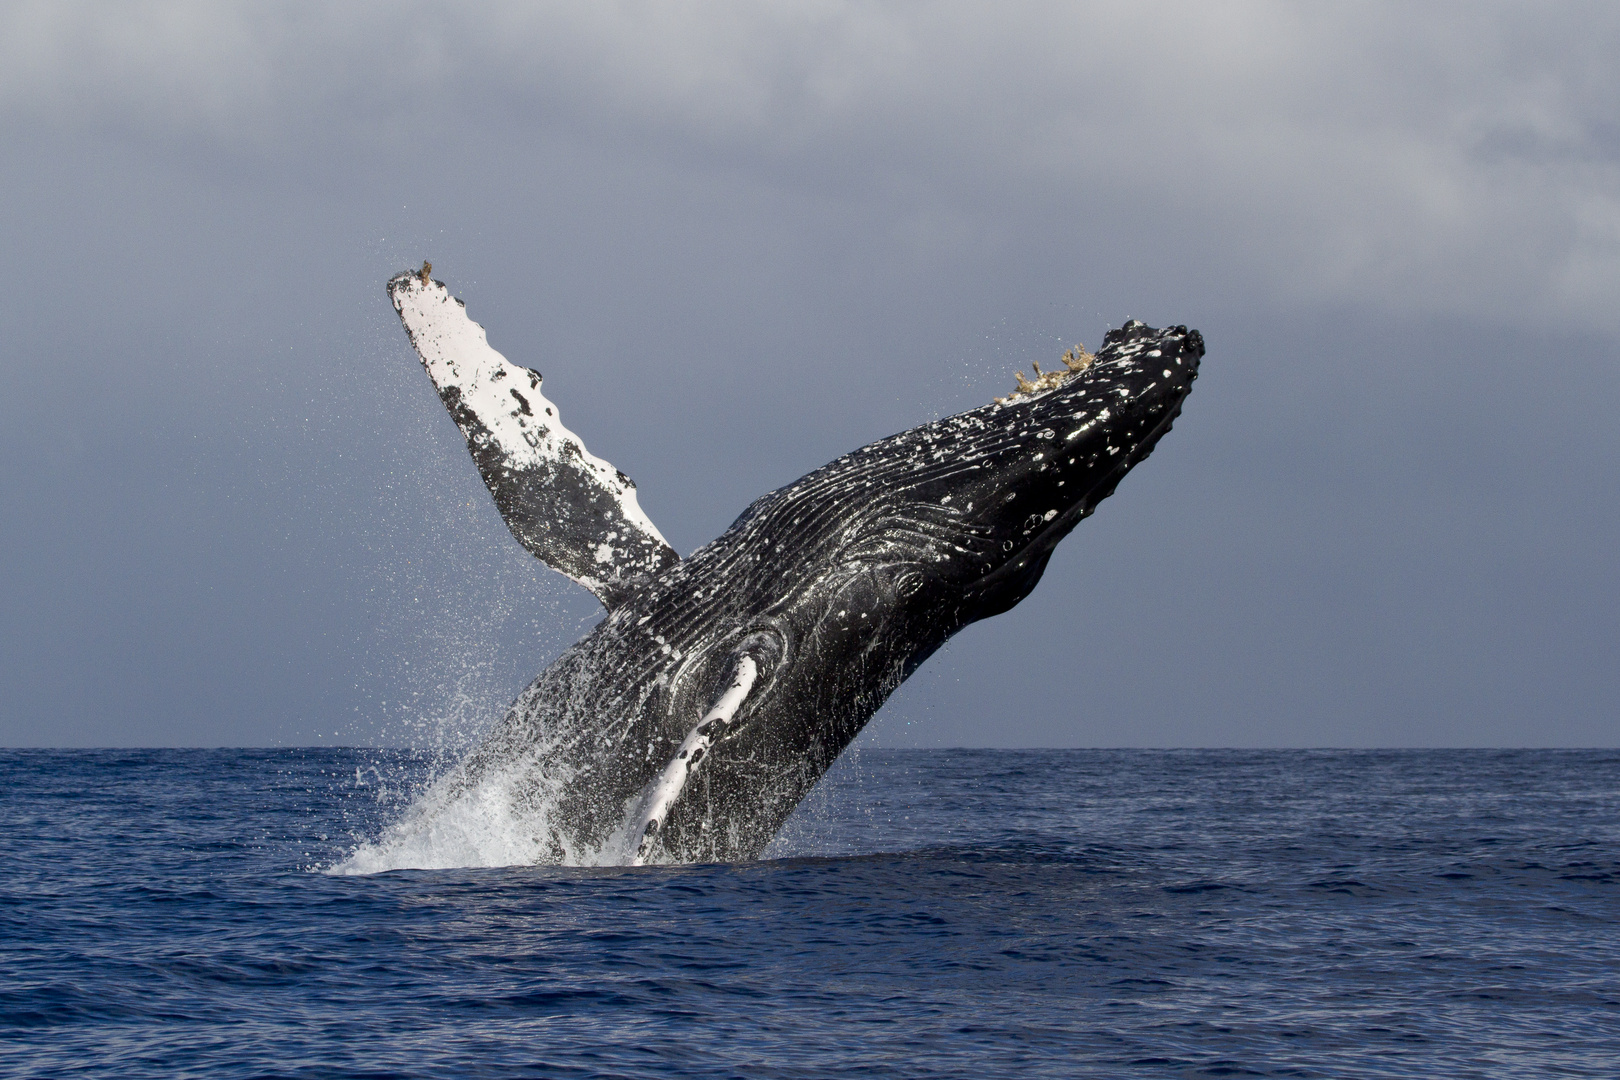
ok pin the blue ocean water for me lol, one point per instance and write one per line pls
(928, 913)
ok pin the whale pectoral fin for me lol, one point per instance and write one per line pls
(572, 510)
(652, 809)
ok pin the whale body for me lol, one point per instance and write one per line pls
(688, 724)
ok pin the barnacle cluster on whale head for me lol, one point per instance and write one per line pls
(1075, 361)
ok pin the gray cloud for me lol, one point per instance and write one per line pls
(1427, 160)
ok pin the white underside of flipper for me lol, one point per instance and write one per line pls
(569, 507)
(656, 799)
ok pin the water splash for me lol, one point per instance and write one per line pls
(506, 814)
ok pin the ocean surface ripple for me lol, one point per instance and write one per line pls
(927, 913)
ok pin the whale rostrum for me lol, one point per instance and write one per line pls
(695, 716)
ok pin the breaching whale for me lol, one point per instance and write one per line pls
(688, 724)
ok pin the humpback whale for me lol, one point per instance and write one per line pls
(717, 689)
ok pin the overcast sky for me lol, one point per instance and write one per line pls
(740, 241)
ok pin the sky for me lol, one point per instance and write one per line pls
(740, 241)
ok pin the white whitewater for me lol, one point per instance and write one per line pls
(505, 818)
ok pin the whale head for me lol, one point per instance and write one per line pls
(1045, 459)
(957, 518)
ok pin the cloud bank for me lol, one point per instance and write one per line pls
(1453, 159)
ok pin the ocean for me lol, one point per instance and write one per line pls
(165, 913)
